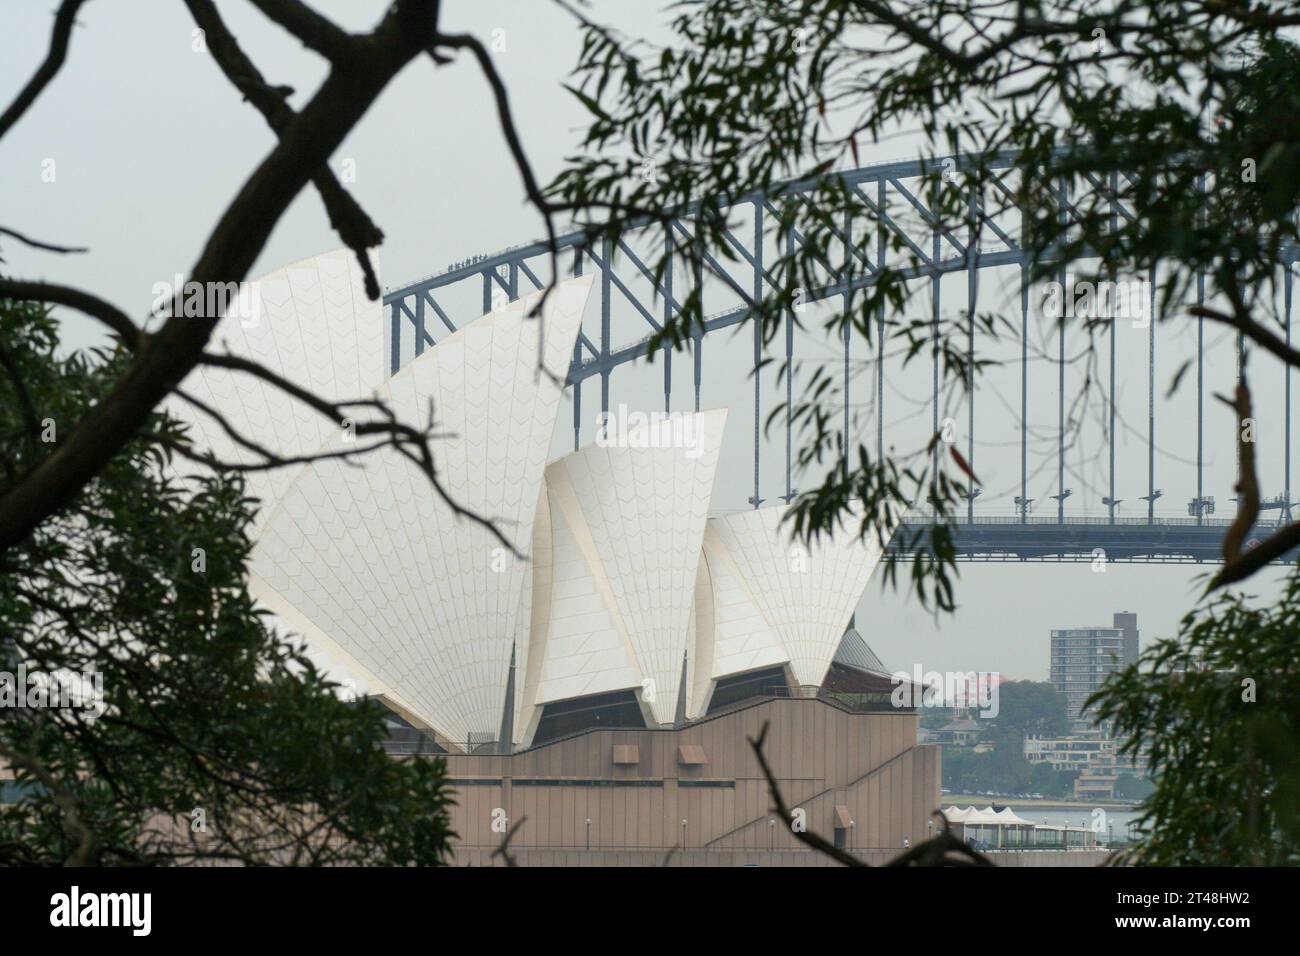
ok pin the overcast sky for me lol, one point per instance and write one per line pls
(149, 143)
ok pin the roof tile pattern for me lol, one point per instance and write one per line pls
(624, 575)
(314, 326)
(428, 600)
(578, 648)
(638, 509)
(805, 594)
(742, 639)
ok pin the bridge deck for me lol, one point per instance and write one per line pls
(1130, 540)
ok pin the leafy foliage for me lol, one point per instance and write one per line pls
(1031, 708)
(1024, 708)
(1064, 110)
(1219, 710)
(218, 739)
(999, 771)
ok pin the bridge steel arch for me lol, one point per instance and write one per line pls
(992, 241)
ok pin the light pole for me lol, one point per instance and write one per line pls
(588, 833)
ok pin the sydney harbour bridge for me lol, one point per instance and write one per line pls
(892, 193)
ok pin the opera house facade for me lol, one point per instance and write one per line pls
(601, 670)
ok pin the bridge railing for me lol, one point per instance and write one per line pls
(915, 518)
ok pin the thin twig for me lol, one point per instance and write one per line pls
(38, 244)
(64, 21)
(503, 850)
(354, 226)
(802, 834)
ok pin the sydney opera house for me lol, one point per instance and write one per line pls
(600, 677)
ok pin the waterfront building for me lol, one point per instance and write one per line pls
(599, 661)
(1082, 659)
(1092, 755)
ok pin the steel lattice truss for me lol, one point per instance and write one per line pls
(892, 196)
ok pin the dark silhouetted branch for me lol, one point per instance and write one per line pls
(1247, 486)
(354, 226)
(503, 850)
(410, 442)
(166, 357)
(941, 850)
(64, 21)
(463, 41)
(820, 844)
(1258, 334)
(1239, 563)
(315, 31)
(130, 334)
(37, 244)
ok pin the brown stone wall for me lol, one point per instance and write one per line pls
(822, 756)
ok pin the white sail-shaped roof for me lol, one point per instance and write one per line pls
(626, 520)
(804, 594)
(428, 603)
(624, 574)
(579, 647)
(743, 640)
(310, 323)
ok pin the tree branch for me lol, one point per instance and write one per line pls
(942, 850)
(408, 441)
(503, 850)
(1247, 486)
(357, 230)
(464, 41)
(167, 357)
(315, 31)
(130, 334)
(1239, 564)
(1257, 333)
(1267, 551)
(64, 21)
(24, 396)
(532, 189)
(820, 844)
(37, 244)
(270, 460)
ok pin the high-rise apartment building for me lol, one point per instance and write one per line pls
(1127, 622)
(1083, 657)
